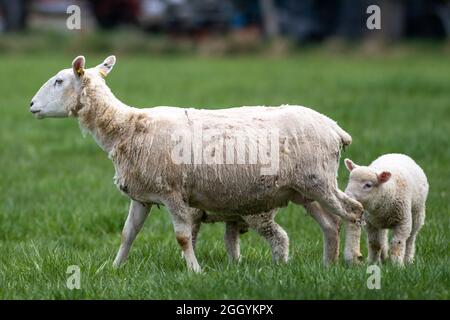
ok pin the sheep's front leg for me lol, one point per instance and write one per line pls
(196, 224)
(137, 214)
(183, 219)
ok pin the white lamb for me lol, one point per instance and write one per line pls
(393, 191)
(140, 143)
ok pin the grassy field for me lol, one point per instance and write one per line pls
(59, 207)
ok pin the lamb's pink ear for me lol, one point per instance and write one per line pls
(384, 176)
(106, 66)
(78, 66)
(350, 164)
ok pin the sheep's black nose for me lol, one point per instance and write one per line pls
(31, 103)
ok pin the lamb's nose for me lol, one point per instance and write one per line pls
(31, 104)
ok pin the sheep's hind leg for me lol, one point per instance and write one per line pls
(337, 202)
(137, 214)
(330, 228)
(183, 218)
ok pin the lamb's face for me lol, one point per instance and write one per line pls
(60, 94)
(364, 183)
(57, 96)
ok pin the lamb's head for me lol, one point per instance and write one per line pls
(365, 184)
(61, 93)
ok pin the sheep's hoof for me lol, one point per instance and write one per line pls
(355, 259)
(195, 269)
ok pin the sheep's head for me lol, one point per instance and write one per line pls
(365, 184)
(61, 93)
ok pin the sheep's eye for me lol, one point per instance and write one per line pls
(58, 81)
(367, 185)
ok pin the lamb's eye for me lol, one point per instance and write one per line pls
(367, 185)
(58, 82)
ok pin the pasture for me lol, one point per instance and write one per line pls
(59, 207)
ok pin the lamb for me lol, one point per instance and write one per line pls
(393, 190)
(264, 224)
(154, 166)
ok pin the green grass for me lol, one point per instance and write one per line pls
(59, 207)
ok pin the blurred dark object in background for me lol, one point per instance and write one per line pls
(428, 19)
(13, 15)
(111, 13)
(304, 21)
(312, 20)
(185, 17)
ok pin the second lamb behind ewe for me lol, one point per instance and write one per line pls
(393, 191)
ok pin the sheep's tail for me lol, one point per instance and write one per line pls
(346, 139)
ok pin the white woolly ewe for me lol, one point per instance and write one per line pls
(139, 143)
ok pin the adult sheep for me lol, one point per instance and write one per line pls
(151, 168)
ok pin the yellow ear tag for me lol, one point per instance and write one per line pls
(80, 72)
(102, 73)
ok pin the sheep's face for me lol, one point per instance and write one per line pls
(61, 93)
(54, 98)
(365, 184)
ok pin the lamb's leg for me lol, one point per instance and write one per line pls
(232, 242)
(398, 243)
(384, 244)
(264, 224)
(419, 219)
(196, 224)
(182, 219)
(352, 251)
(410, 248)
(330, 228)
(373, 240)
(137, 214)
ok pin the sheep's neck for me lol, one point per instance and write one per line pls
(104, 116)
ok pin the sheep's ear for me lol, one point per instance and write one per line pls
(106, 66)
(78, 66)
(350, 165)
(384, 176)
